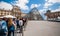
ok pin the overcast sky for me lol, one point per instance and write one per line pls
(27, 5)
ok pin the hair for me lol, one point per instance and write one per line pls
(5, 19)
(10, 22)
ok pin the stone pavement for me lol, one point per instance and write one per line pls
(42, 28)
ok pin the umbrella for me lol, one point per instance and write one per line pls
(9, 16)
(1, 17)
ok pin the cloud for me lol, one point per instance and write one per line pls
(6, 6)
(49, 3)
(35, 5)
(46, 0)
(54, 1)
(22, 4)
(46, 5)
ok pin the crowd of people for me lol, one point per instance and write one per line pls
(9, 25)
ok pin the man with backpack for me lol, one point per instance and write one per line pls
(3, 28)
(21, 25)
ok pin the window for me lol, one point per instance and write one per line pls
(14, 10)
(0, 10)
(9, 13)
(0, 13)
(59, 14)
(6, 13)
(18, 11)
(14, 15)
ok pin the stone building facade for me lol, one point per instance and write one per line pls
(5, 12)
(53, 15)
(15, 12)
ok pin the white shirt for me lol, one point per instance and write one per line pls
(20, 22)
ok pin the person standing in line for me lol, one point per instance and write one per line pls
(14, 22)
(6, 19)
(11, 27)
(21, 25)
(3, 28)
(24, 23)
(17, 22)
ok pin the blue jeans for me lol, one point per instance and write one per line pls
(9, 33)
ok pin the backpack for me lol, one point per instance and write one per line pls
(11, 28)
(1, 30)
(20, 23)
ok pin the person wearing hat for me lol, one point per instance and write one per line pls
(3, 27)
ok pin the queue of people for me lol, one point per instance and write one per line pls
(9, 25)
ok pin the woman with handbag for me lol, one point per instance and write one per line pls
(11, 27)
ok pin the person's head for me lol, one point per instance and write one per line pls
(23, 18)
(0, 19)
(14, 19)
(17, 18)
(5, 19)
(10, 21)
(20, 19)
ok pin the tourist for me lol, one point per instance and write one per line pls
(6, 19)
(11, 27)
(3, 28)
(21, 25)
(24, 23)
(17, 22)
(14, 20)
